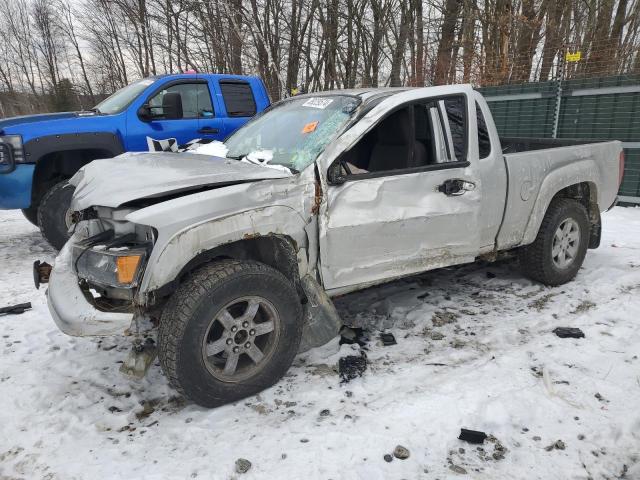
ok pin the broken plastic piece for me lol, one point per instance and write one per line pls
(15, 309)
(568, 332)
(352, 366)
(472, 436)
(41, 273)
(388, 339)
(349, 336)
(140, 358)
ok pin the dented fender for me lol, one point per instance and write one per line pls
(186, 227)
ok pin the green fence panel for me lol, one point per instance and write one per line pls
(605, 108)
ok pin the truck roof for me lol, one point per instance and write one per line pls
(366, 93)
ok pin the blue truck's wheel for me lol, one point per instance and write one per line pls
(54, 214)
(31, 214)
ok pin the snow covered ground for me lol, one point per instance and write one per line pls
(474, 349)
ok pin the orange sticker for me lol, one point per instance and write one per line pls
(310, 127)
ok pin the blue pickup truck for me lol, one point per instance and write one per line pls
(38, 153)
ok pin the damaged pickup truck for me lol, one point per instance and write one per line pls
(233, 259)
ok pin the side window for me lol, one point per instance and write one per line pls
(196, 99)
(484, 143)
(420, 134)
(238, 98)
(456, 125)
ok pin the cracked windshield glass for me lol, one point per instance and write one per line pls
(294, 132)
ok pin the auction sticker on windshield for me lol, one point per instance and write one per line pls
(317, 102)
(310, 127)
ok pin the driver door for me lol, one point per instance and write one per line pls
(197, 108)
(387, 224)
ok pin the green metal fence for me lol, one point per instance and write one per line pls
(591, 108)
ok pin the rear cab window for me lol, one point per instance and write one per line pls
(455, 123)
(238, 98)
(484, 142)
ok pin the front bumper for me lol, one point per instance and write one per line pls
(69, 307)
(15, 187)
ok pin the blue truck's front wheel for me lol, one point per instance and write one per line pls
(54, 214)
(31, 214)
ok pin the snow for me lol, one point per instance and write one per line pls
(67, 413)
(263, 157)
(215, 148)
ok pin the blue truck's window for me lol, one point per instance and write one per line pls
(196, 99)
(123, 97)
(238, 98)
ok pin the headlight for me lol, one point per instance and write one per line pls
(15, 143)
(114, 267)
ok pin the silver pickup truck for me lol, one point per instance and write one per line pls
(232, 253)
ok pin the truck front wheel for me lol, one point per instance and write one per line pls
(558, 251)
(229, 331)
(54, 214)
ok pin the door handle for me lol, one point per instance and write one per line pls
(209, 130)
(455, 187)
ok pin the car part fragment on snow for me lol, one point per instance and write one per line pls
(472, 436)
(351, 336)
(352, 366)
(41, 273)
(388, 339)
(139, 359)
(568, 332)
(15, 309)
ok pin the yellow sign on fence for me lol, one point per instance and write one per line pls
(573, 57)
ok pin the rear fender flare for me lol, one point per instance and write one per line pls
(584, 171)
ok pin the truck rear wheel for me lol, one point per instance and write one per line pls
(231, 330)
(54, 214)
(557, 253)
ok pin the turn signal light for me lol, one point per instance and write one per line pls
(127, 267)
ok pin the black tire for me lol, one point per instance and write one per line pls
(188, 314)
(537, 261)
(31, 214)
(52, 214)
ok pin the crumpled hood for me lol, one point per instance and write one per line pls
(133, 176)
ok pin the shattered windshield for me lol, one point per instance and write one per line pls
(293, 133)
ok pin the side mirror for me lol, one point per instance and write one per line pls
(144, 113)
(172, 106)
(335, 175)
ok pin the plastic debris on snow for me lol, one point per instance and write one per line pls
(568, 332)
(472, 436)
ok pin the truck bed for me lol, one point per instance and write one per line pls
(524, 144)
(538, 168)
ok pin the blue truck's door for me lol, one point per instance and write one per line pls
(200, 119)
